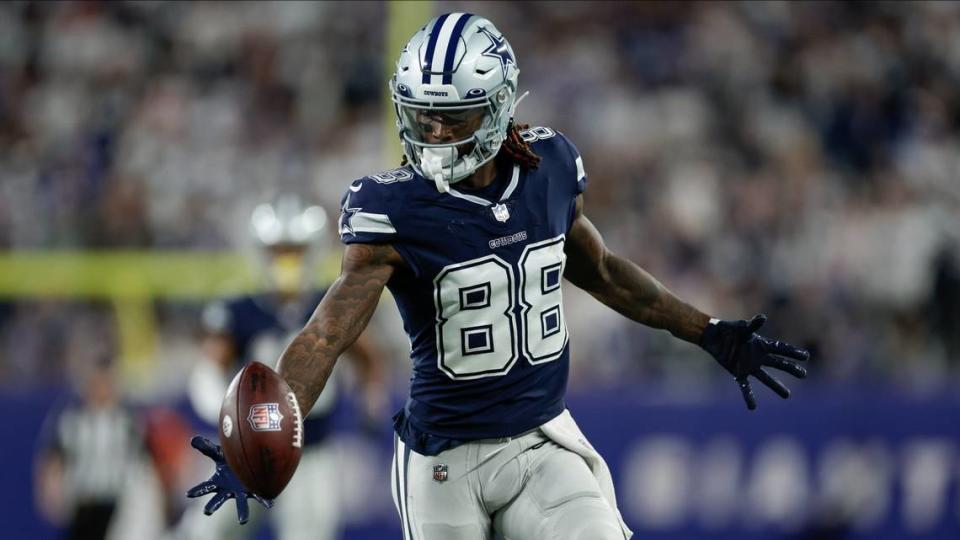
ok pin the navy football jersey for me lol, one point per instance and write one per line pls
(260, 328)
(481, 300)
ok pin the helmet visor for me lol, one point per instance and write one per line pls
(441, 126)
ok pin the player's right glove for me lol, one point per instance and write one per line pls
(224, 483)
(743, 352)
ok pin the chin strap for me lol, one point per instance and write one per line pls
(434, 163)
(442, 185)
(431, 163)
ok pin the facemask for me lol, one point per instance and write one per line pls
(436, 165)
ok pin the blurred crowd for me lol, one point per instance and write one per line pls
(799, 159)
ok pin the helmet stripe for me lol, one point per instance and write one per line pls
(444, 34)
(431, 46)
(452, 48)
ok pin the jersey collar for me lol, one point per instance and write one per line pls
(514, 180)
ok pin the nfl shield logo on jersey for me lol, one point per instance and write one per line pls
(440, 473)
(501, 213)
(265, 417)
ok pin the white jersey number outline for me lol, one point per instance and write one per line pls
(477, 333)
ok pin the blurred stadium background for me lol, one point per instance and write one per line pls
(798, 159)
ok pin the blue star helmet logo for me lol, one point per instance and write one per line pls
(498, 49)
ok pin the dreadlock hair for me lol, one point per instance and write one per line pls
(514, 148)
(517, 149)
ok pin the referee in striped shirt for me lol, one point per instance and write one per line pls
(86, 450)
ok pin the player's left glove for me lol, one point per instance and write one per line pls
(743, 352)
(224, 483)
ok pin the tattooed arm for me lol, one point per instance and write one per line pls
(339, 319)
(624, 286)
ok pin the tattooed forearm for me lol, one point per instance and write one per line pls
(337, 322)
(634, 293)
(624, 286)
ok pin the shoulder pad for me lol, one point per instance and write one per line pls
(393, 176)
(533, 135)
(217, 316)
(555, 146)
(370, 205)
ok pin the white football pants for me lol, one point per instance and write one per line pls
(526, 487)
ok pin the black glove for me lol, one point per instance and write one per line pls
(224, 483)
(743, 353)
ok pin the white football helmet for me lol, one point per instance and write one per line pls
(454, 92)
(290, 236)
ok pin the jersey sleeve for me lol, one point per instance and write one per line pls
(366, 214)
(576, 161)
(563, 165)
(560, 155)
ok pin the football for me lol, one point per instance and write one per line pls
(261, 430)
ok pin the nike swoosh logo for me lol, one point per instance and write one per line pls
(355, 188)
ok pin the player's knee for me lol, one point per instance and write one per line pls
(563, 479)
(588, 518)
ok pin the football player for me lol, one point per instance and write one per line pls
(473, 236)
(289, 237)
